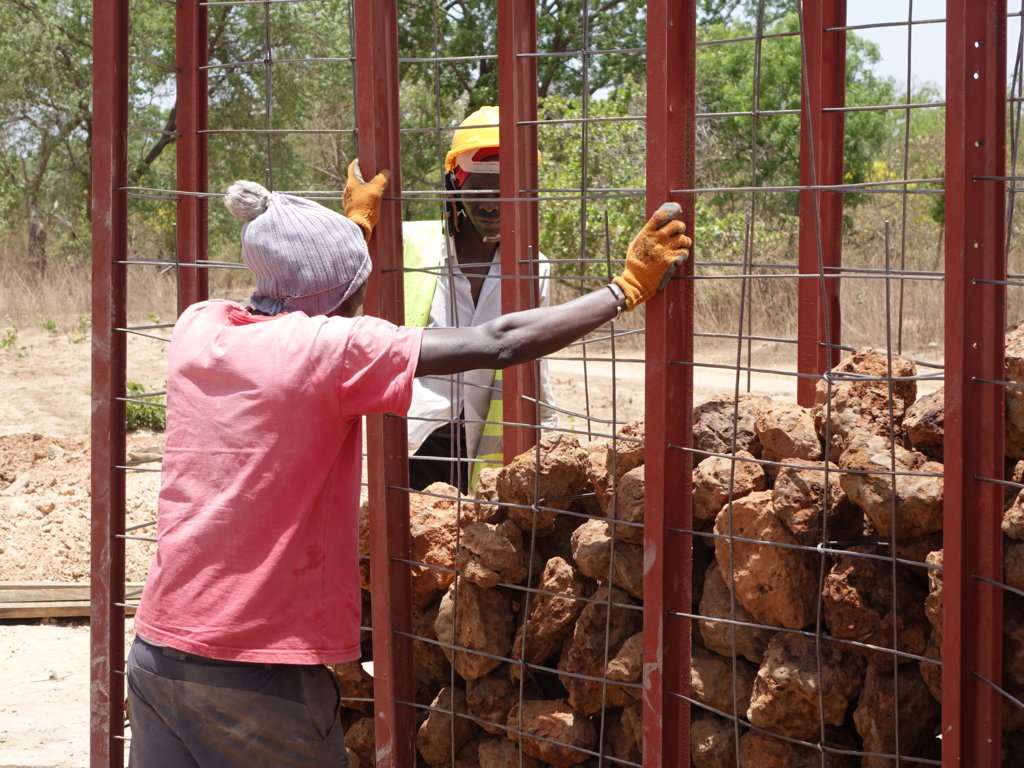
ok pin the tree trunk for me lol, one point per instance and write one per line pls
(36, 238)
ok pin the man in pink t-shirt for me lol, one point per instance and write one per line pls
(255, 585)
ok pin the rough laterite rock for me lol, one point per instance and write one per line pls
(711, 680)
(603, 626)
(924, 424)
(539, 482)
(787, 431)
(490, 554)
(626, 452)
(812, 505)
(878, 712)
(712, 742)
(443, 730)
(859, 604)
(761, 750)
(553, 611)
(628, 511)
(504, 753)
(716, 477)
(489, 700)
(725, 419)
(750, 640)
(855, 398)
(555, 733)
(872, 469)
(1014, 372)
(777, 584)
(800, 682)
(478, 620)
(626, 667)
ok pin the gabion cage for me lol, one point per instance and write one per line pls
(803, 544)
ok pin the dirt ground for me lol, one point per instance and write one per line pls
(44, 515)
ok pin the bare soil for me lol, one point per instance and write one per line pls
(44, 536)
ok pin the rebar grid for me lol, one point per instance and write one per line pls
(760, 349)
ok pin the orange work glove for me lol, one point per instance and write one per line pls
(361, 199)
(653, 255)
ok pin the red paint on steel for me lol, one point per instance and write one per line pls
(109, 249)
(975, 317)
(517, 88)
(191, 154)
(671, 109)
(378, 121)
(821, 212)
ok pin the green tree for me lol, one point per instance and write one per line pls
(464, 34)
(45, 110)
(766, 152)
(45, 116)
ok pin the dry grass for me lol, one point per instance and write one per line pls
(875, 311)
(903, 314)
(62, 296)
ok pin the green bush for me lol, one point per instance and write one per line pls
(148, 412)
(9, 339)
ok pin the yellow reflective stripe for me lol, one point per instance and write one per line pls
(422, 248)
(491, 451)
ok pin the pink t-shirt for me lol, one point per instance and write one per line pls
(257, 532)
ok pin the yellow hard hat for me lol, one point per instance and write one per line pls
(477, 131)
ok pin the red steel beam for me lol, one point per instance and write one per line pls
(378, 121)
(821, 213)
(109, 250)
(975, 318)
(671, 129)
(191, 150)
(517, 100)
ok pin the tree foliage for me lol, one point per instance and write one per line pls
(736, 78)
(591, 93)
(45, 117)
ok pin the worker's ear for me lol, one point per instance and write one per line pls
(452, 207)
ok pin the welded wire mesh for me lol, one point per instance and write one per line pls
(490, 638)
(816, 587)
(828, 706)
(858, 674)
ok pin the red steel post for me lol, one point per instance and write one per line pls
(109, 250)
(821, 212)
(671, 129)
(975, 318)
(378, 121)
(517, 100)
(191, 150)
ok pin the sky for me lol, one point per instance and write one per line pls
(928, 57)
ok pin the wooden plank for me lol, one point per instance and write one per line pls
(36, 600)
(66, 610)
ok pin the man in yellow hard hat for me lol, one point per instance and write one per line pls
(454, 281)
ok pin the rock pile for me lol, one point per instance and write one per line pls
(528, 599)
(527, 604)
(820, 635)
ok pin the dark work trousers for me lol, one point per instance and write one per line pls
(441, 458)
(187, 711)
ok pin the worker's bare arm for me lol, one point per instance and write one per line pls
(518, 337)
(514, 338)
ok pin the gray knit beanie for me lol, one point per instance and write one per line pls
(305, 257)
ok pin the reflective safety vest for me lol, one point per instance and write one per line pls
(491, 450)
(423, 252)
